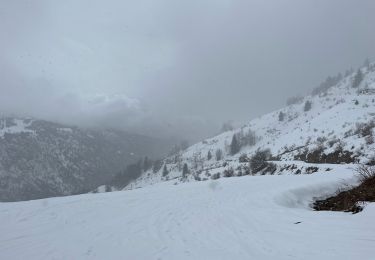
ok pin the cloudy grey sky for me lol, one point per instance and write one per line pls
(168, 67)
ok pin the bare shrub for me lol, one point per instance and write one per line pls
(243, 158)
(258, 161)
(321, 139)
(228, 172)
(215, 176)
(364, 129)
(369, 139)
(271, 168)
(365, 172)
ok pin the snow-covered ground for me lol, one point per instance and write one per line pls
(249, 217)
(16, 126)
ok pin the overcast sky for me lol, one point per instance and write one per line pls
(167, 66)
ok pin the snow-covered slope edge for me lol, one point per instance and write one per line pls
(260, 217)
(335, 126)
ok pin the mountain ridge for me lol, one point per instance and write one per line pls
(335, 124)
(40, 158)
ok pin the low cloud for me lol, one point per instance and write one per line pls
(38, 98)
(172, 69)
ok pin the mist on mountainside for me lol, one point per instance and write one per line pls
(171, 69)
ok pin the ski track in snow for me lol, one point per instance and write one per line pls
(250, 217)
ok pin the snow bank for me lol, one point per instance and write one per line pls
(251, 217)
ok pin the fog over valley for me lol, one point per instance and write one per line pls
(172, 68)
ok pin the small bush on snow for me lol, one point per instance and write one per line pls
(243, 158)
(364, 129)
(365, 172)
(369, 139)
(258, 161)
(228, 172)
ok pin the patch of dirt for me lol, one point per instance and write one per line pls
(348, 201)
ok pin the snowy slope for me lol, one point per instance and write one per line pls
(15, 126)
(230, 218)
(333, 127)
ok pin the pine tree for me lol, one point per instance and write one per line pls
(209, 155)
(234, 146)
(185, 171)
(219, 154)
(281, 116)
(308, 105)
(165, 170)
(357, 79)
(156, 166)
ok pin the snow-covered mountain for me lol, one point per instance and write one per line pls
(41, 159)
(335, 125)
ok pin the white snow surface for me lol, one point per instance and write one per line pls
(249, 217)
(17, 126)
